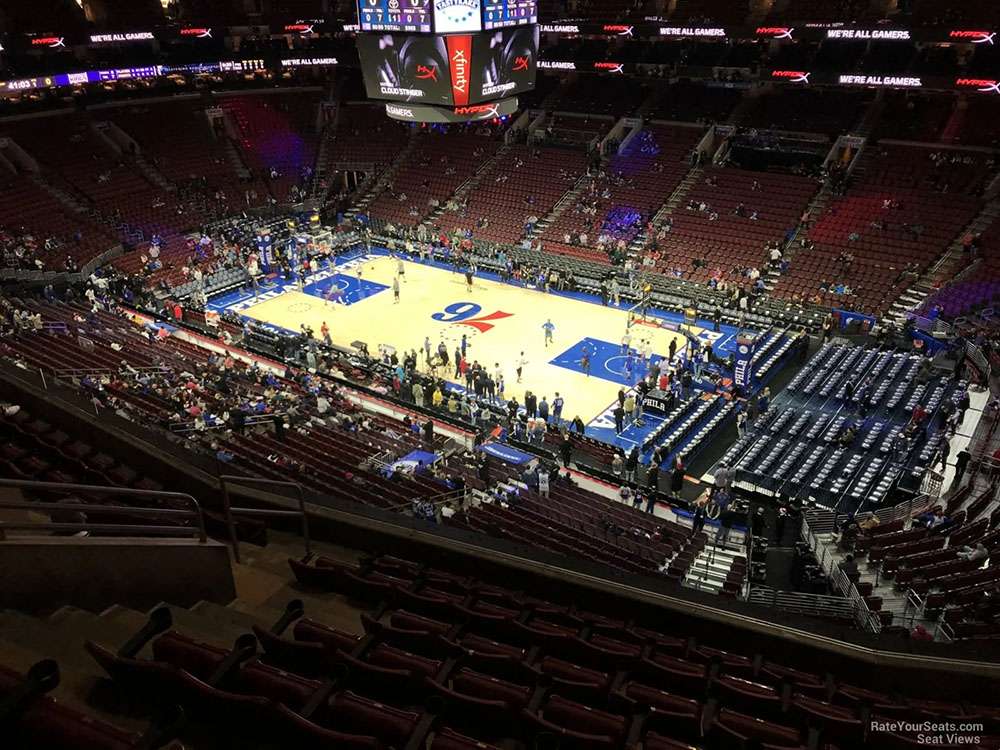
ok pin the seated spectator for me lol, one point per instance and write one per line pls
(848, 535)
(979, 553)
(869, 522)
(920, 633)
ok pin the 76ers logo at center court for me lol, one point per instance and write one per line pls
(468, 314)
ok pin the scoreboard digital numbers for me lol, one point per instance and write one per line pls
(412, 16)
(499, 14)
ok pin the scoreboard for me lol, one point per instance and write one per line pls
(453, 70)
(448, 60)
(444, 16)
(499, 14)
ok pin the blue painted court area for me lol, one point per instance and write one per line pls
(607, 361)
(602, 427)
(350, 289)
(342, 288)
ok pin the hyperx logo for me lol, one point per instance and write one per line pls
(427, 72)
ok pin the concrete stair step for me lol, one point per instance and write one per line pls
(331, 609)
(230, 616)
(89, 626)
(27, 640)
(36, 634)
(124, 616)
(703, 585)
(128, 621)
(74, 689)
(704, 562)
(265, 614)
(202, 628)
(709, 578)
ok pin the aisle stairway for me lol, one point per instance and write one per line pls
(264, 588)
(949, 267)
(670, 205)
(376, 184)
(714, 566)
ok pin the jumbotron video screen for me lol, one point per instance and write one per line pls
(452, 70)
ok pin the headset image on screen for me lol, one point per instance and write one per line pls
(506, 62)
(405, 68)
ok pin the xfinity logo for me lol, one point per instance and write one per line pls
(619, 29)
(775, 32)
(976, 37)
(794, 76)
(49, 41)
(610, 67)
(460, 66)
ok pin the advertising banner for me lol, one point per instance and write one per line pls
(743, 374)
(505, 63)
(406, 68)
(506, 453)
(460, 63)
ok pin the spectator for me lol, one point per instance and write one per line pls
(722, 498)
(543, 482)
(978, 553)
(920, 633)
(617, 465)
(698, 519)
(961, 462)
(677, 479)
(850, 568)
(632, 464)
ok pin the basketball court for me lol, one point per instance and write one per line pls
(498, 319)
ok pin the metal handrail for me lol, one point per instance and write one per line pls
(225, 480)
(824, 520)
(195, 512)
(797, 601)
(435, 500)
(72, 372)
(864, 617)
(256, 419)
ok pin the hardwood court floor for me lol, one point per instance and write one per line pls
(500, 321)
